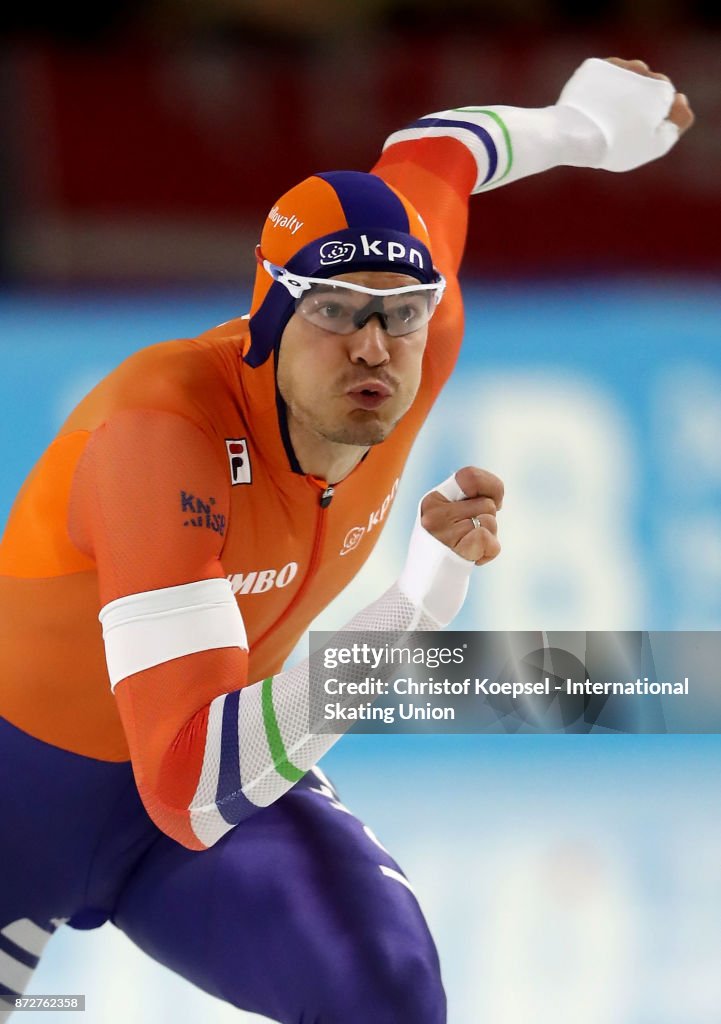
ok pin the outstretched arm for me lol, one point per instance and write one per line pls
(612, 114)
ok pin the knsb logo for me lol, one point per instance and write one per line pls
(261, 580)
(240, 471)
(356, 533)
(336, 252)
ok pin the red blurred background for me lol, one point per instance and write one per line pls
(148, 140)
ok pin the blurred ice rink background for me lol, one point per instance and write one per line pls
(566, 879)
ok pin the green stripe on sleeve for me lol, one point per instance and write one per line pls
(275, 741)
(506, 135)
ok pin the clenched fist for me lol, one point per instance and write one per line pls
(637, 113)
(680, 113)
(467, 526)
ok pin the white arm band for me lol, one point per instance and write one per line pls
(143, 630)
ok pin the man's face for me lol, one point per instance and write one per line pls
(352, 388)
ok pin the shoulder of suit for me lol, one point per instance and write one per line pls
(197, 378)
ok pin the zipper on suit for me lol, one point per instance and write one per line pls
(325, 497)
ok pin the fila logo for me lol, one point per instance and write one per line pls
(261, 580)
(240, 471)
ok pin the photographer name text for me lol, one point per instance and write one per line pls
(406, 686)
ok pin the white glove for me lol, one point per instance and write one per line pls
(629, 109)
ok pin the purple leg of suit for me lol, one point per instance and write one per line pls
(296, 914)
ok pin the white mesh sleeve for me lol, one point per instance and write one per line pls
(262, 781)
(275, 742)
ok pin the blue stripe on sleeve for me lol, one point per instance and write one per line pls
(18, 953)
(480, 133)
(231, 802)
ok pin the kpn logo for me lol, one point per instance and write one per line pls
(338, 251)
